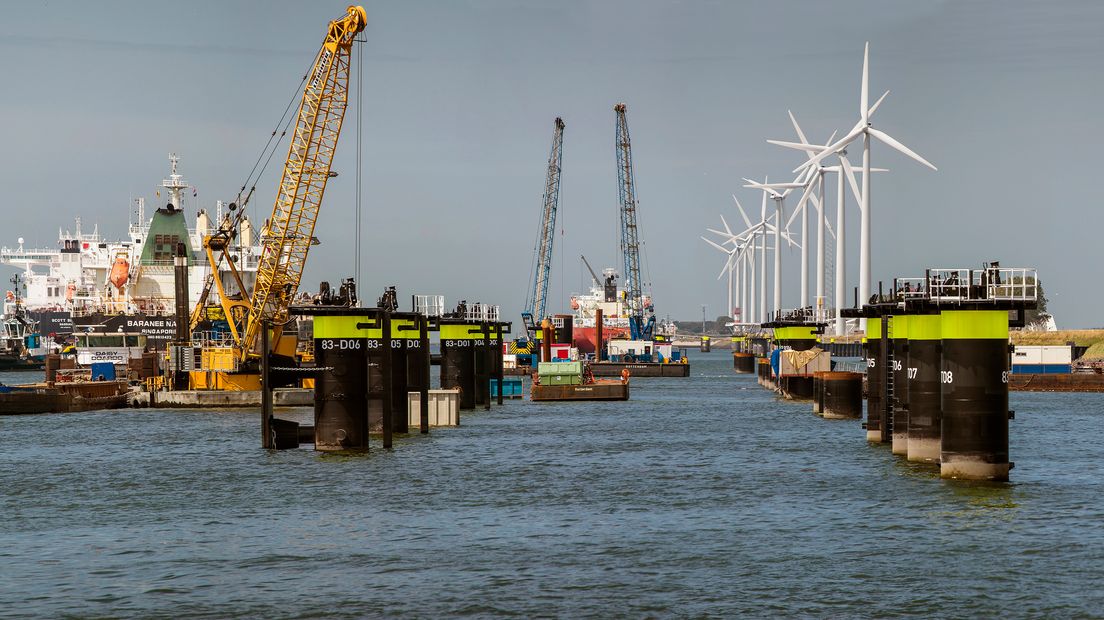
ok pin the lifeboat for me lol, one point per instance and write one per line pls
(574, 304)
(120, 272)
(69, 291)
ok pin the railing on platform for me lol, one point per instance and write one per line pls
(481, 312)
(429, 305)
(971, 285)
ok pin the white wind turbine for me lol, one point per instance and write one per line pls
(779, 207)
(737, 256)
(863, 127)
(844, 166)
(732, 265)
(756, 297)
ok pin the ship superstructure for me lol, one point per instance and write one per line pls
(93, 279)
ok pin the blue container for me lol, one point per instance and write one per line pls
(1041, 369)
(103, 369)
(511, 387)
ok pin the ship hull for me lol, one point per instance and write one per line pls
(158, 329)
(584, 336)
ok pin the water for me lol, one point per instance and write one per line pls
(699, 497)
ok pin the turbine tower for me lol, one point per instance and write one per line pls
(864, 128)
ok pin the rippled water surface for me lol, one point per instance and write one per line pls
(700, 497)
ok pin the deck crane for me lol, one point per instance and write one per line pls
(306, 170)
(536, 302)
(289, 232)
(639, 329)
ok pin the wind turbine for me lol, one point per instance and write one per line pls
(841, 254)
(779, 207)
(806, 195)
(864, 128)
(736, 256)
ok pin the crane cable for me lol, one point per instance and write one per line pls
(359, 154)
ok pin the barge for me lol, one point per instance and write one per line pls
(564, 381)
(63, 397)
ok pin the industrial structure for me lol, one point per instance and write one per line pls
(537, 301)
(289, 232)
(641, 327)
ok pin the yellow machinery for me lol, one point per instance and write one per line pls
(288, 233)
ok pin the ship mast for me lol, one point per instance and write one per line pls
(175, 184)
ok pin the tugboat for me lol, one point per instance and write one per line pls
(21, 346)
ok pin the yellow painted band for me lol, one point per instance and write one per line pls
(873, 328)
(405, 334)
(460, 332)
(344, 327)
(794, 333)
(899, 325)
(975, 325)
(925, 327)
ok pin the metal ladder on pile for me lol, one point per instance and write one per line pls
(887, 405)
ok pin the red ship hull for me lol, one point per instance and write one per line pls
(584, 336)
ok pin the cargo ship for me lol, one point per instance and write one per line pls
(89, 283)
(613, 302)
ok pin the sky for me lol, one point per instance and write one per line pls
(458, 104)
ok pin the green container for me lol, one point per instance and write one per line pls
(548, 369)
(561, 380)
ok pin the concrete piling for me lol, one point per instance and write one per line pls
(875, 379)
(974, 395)
(841, 395)
(899, 327)
(925, 411)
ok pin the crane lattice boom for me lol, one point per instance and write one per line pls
(630, 244)
(291, 228)
(538, 297)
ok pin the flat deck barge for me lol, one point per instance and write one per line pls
(640, 369)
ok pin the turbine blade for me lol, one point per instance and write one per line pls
(811, 149)
(834, 147)
(828, 225)
(863, 90)
(801, 201)
(743, 213)
(874, 108)
(727, 229)
(889, 140)
(797, 128)
(800, 207)
(716, 245)
(851, 178)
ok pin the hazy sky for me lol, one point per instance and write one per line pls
(1004, 97)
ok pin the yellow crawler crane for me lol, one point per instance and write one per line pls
(288, 234)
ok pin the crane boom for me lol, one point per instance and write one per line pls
(538, 296)
(291, 228)
(630, 244)
(597, 280)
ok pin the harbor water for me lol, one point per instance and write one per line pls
(705, 496)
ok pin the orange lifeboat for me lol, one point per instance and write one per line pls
(120, 272)
(574, 304)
